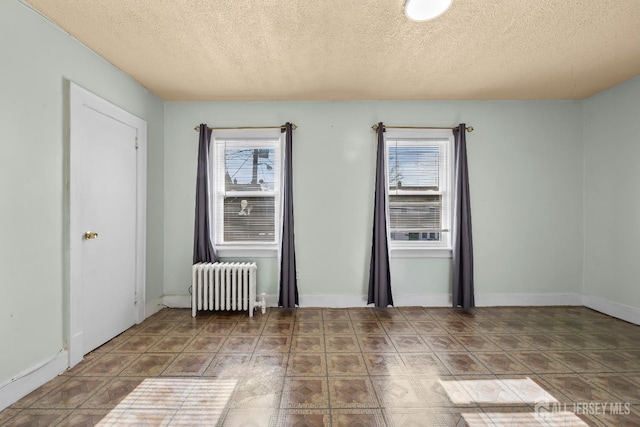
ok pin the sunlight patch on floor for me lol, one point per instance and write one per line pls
(180, 401)
(524, 419)
(508, 392)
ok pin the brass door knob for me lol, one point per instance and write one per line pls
(90, 235)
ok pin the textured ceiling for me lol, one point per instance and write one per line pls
(187, 50)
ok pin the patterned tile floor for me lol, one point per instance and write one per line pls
(408, 366)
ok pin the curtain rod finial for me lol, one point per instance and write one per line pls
(469, 128)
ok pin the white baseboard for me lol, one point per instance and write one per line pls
(442, 300)
(153, 306)
(327, 301)
(435, 300)
(407, 300)
(26, 382)
(270, 299)
(177, 301)
(76, 347)
(612, 308)
(330, 301)
(184, 301)
(520, 299)
(345, 301)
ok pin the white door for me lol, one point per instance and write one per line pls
(107, 220)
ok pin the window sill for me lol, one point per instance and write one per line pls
(239, 251)
(420, 253)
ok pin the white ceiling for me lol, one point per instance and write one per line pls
(215, 50)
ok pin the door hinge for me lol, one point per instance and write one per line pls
(136, 142)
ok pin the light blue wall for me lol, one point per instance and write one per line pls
(526, 185)
(37, 57)
(612, 194)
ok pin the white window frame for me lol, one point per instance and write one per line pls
(443, 138)
(245, 138)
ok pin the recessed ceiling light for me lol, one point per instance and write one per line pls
(424, 10)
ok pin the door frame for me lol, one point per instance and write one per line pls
(79, 99)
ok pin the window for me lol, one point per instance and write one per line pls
(419, 175)
(247, 176)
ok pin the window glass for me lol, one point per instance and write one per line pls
(248, 219)
(249, 169)
(414, 167)
(246, 190)
(418, 175)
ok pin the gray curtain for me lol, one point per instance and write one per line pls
(203, 250)
(462, 286)
(379, 274)
(288, 286)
